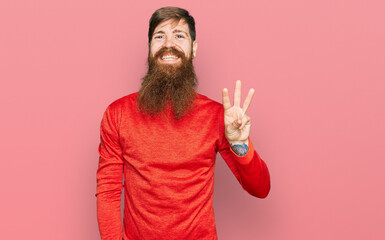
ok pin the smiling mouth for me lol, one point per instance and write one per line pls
(169, 57)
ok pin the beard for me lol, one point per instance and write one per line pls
(163, 83)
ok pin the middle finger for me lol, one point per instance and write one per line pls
(237, 94)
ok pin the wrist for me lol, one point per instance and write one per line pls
(240, 147)
(240, 142)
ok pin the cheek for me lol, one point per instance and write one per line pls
(153, 48)
(187, 50)
(153, 51)
(183, 47)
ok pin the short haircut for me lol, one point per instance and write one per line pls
(166, 13)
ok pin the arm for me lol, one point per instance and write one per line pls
(250, 170)
(236, 147)
(109, 179)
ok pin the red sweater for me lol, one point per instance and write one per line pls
(168, 169)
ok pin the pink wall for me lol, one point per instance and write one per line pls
(318, 112)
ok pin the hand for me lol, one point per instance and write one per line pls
(237, 123)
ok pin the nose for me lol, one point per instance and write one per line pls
(169, 43)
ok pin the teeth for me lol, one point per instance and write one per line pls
(169, 57)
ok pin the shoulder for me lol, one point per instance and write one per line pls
(203, 101)
(212, 111)
(120, 107)
(123, 102)
(208, 109)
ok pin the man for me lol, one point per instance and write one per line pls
(164, 140)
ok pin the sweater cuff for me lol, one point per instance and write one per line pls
(244, 160)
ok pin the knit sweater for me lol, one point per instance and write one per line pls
(168, 168)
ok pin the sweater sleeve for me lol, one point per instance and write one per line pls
(109, 178)
(250, 170)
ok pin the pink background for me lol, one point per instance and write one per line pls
(317, 115)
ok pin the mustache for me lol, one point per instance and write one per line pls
(170, 50)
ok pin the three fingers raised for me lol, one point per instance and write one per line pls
(237, 97)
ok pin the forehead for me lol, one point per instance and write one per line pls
(172, 24)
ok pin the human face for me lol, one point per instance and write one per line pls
(170, 35)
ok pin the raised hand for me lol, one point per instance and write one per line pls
(237, 123)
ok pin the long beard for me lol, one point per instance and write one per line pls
(174, 83)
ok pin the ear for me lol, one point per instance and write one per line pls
(194, 48)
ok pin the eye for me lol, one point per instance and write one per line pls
(159, 37)
(179, 36)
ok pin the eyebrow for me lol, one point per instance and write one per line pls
(174, 31)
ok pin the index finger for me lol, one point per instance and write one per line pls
(237, 94)
(226, 99)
